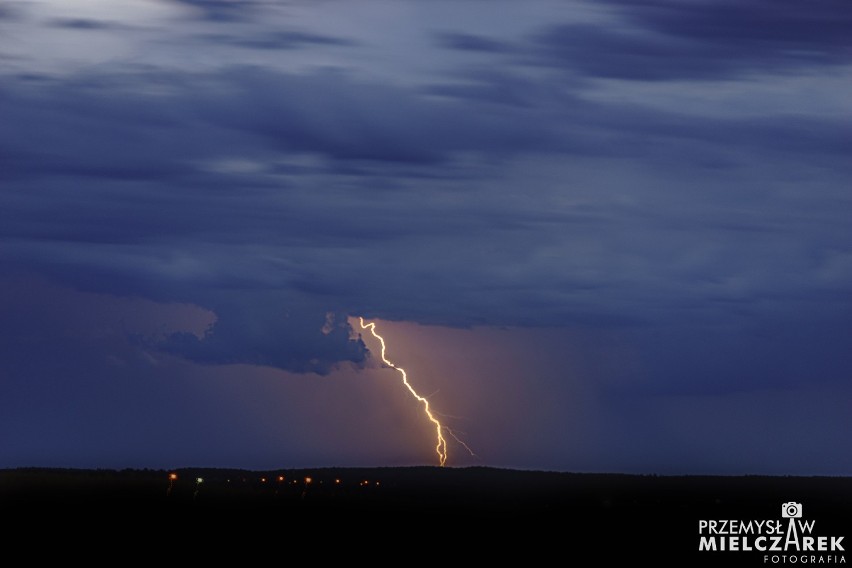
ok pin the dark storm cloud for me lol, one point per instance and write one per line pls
(752, 24)
(488, 196)
(255, 334)
(346, 119)
(9, 13)
(223, 10)
(85, 24)
(703, 40)
(279, 40)
(472, 42)
(490, 87)
(781, 133)
(170, 240)
(91, 125)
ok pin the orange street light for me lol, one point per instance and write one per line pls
(172, 479)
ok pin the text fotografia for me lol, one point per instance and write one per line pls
(788, 540)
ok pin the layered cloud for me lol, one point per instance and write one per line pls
(657, 168)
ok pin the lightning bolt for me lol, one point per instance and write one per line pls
(441, 445)
(460, 441)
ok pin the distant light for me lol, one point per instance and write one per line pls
(280, 478)
(337, 481)
(308, 480)
(172, 476)
(377, 483)
(199, 480)
(263, 480)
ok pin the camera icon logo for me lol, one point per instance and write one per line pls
(791, 510)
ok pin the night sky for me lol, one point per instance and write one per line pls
(600, 236)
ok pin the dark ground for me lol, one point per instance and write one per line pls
(435, 514)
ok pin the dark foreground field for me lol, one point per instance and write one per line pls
(432, 514)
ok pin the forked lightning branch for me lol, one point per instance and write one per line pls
(441, 441)
(788, 540)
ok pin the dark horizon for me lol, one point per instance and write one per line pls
(413, 467)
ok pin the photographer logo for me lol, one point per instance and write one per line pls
(792, 539)
(791, 510)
